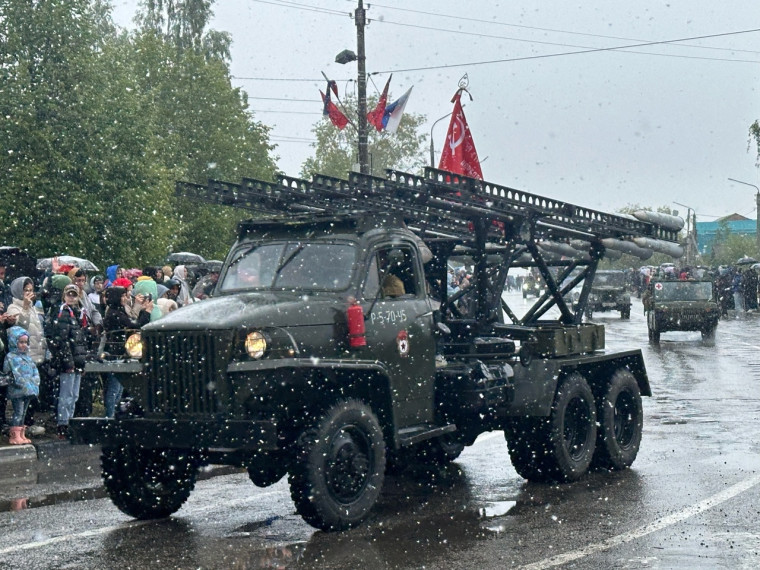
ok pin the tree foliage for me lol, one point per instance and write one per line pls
(728, 247)
(335, 152)
(99, 125)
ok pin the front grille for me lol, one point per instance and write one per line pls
(184, 373)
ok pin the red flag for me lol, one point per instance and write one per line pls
(331, 110)
(459, 154)
(375, 117)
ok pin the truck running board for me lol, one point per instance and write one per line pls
(415, 434)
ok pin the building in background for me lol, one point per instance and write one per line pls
(735, 223)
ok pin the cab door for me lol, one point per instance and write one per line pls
(399, 330)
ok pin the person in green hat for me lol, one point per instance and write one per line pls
(146, 296)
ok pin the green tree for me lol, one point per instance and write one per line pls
(202, 124)
(335, 152)
(99, 126)
(63, 176)
(728, 247)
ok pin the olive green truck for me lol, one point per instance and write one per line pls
(331, 349)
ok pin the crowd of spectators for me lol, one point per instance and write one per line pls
(62, 319)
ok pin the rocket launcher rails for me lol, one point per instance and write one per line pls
(494, 226)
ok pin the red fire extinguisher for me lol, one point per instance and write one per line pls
(356, 331)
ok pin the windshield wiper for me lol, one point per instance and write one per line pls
(287, 260)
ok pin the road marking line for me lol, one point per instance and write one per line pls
(658, 524)
(107, 529)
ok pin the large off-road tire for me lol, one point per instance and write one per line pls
(338, 473)
(621, 419)
(558, 448)
(148, 483)
(267, 469)
(708, 333)
(625, 313)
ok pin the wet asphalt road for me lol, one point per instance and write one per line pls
(691, 500)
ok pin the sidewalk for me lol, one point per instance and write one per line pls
(43, 447)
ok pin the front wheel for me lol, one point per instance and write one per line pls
(708, 334)
(621, 420)
(338, 474)
(625, 314)
(148, 483)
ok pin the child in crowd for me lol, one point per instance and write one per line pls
(24, 381)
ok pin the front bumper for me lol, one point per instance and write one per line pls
(175, 433)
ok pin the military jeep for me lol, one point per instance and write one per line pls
(609, 293)
(688, 305)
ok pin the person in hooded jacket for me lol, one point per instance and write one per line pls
(24, 384)
(113, 272)
(180, 275)
(27, 317)
(70, 344)
(117, 325)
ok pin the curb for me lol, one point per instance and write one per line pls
(44, 451)
(16, 453)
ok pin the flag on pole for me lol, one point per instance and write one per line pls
(459, 155)
(375, 117)
(394, 112)
(331, 110)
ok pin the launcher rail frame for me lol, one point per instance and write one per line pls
(456, 216)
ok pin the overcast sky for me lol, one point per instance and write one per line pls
(648, 125)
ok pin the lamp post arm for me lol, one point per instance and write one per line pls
(432, 146)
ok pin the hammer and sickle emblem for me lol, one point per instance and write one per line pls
(459, 126)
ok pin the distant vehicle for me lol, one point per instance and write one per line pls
(609, 293)
(532, 287)
(681, 306)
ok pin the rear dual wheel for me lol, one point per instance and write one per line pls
(621, 420)
(558, 448)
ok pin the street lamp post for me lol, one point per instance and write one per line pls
(689, 229)
(757, 205)
(432, 146)
(346, 56)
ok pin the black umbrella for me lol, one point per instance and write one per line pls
(17, 263)
(746, 261)
(211, 265)
(184, 257)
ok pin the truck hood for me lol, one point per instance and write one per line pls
(275, 309)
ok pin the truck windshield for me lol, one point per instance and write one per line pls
(292, 266)
(683, 291)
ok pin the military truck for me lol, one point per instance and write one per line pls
(330, 350)
(609, 293)
(681, 305)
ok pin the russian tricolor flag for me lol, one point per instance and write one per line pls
(394, 112)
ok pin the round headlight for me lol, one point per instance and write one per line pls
(134, 346)
(255, 344)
